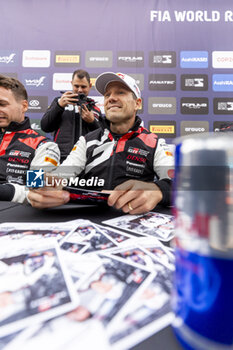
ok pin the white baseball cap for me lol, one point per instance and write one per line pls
(105, 78)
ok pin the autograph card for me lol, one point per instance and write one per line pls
(32, 231)
(117, 236)
(97, 237)
(148, 312)
(108, 290)
(64, 332)
(153, 224)
(135, 255)
(80, 266)
(34, 285)
(162, 254)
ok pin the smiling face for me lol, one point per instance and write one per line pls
(10, 108)
(120, 106)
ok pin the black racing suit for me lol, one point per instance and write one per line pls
(67, 124)
(137, 155)
(22, 148)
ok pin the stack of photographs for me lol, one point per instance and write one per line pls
(62, 281)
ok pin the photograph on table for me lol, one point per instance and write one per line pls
(96, 237)
(35, 230)
(135, 255)
(34, 285)
(157, 250)
(147, 313)
(108, 290)
(160, 226)
(80, 266)
(61, 332)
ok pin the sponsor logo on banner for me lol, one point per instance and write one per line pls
(36, 58)
(193, 127)
(222, 59)
(194, 82)
(100, 59)
(93, 80)
(67, 58)
(223, 105)
(35, 125)
(130, 59)
(35, 81)
(35, 178)
(62, 81)
(221, 124)
(162, 82)
(37, 104)
(10, 75)
(164, 128)
(222, 82)
(162, 105)
(162, 59)
(8, 58)
(194, 59)
(139, 78)
(193, 105)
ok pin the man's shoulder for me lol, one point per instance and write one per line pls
(95, 134)
(35, 139)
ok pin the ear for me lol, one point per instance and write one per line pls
(138, 103)
(24, 105)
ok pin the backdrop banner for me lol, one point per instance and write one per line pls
(180, 52)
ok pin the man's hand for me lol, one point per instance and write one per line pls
(87, 115)
(47, 197)
(68, 98)
(50, 196)
(135, 197)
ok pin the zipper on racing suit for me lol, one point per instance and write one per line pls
(1, 135)
(109, 183)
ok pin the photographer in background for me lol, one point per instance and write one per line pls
(72, 115)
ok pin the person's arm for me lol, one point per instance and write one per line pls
(47, 157)
(7, 192)
(164, 168)
(51, 119)
(75, 162)
(13, 193)
(72, 166)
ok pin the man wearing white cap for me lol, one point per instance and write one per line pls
(132, 162)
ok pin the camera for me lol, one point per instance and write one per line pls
(82, 99)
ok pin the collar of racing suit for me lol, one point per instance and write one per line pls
(106, 124)
(15, 126)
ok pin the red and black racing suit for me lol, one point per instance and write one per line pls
(21, 148)
(137, 155)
